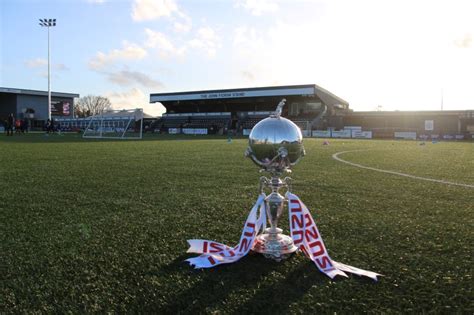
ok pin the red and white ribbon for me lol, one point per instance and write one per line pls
(304, 233)
(214, 253)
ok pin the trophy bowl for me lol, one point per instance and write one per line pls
(275, 144)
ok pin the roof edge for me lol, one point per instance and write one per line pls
(36, 92)
(236, 89)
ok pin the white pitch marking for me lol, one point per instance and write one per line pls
(337, 158)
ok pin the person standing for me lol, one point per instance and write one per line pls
(18, 126)
(10, 124)
(24, 126)
(48, 126)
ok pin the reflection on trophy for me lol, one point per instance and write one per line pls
(275, 145)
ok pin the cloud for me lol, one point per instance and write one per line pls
(106, 64)
(60, 67)
(134, 98)
(96, 1)
(43, 63)
(146, 10)
(130, 51)
(130, 99)
(207, 40)
(248, 41)
(127, 78)
(160, 41)
(248, 75)
(257, 7)
(183, 25)
(35, 63)
(464, 42)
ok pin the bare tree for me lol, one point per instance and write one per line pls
(91, 105)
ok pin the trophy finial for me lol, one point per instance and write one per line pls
(279, 108)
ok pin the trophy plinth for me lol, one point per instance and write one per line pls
(275, 145)
(276, 246)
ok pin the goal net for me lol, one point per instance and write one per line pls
(116, 124)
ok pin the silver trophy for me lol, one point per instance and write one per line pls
(275, 145)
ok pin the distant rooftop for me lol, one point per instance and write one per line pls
(414, 112)
(36, 92)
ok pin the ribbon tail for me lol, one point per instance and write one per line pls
(356, 271)
(214, 253)
(204, 247)
(306, 235)
(332, 273)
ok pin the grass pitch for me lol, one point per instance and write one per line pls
(101, 226)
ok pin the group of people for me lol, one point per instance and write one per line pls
(52, 127)
(22, 125)
(19, 125)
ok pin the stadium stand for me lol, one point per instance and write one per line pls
(246, 107)
(315, 110)
(213, 122)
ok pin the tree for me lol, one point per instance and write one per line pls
(91, 105)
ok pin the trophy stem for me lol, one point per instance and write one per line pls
(275, 204)
(273, 243)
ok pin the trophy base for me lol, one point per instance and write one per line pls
(276, 246)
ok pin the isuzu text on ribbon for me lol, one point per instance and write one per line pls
(303, 231)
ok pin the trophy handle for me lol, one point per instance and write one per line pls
(303, 153)
(249, 153)
(264, 182)
(288, 181)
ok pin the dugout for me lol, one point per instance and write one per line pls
(308, 105)
(33, 105)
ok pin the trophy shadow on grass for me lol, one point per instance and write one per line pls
(277, 297)
(249, 279)
(215, 285)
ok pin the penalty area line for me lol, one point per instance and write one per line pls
(336, 157)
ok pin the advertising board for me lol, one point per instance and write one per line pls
(321, 133)
(409, 135)
(341, 134)
(361, 134)
(61, 108)
(195, 131)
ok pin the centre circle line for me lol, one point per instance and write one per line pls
(336, 157)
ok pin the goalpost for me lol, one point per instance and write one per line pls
(116, 124)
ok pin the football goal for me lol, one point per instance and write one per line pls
(116, 124)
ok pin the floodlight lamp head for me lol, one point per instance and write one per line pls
(47, 22)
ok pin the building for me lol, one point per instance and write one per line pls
(383, 124)
(308, 105)
(311, 107)
(33, 104)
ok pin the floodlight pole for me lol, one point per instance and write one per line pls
(48, 23)
(49, 79)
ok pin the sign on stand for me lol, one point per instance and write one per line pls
(429, 125)
(361, 134)
(322, 133)
(195, 131)
(409, 135)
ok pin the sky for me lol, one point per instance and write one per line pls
(375, 54)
